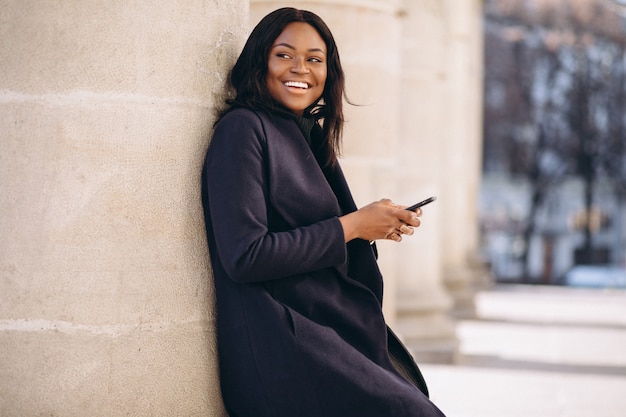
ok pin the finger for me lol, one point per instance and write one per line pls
(396, 237)
(406, 229)
(390, 203)
(410, 218)
(417, 211)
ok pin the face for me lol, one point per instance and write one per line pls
(296, 68)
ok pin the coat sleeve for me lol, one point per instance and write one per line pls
(238, 201)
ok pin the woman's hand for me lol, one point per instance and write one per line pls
(380, 220)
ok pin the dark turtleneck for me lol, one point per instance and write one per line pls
(306, 123)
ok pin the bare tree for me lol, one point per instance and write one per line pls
(561, 110)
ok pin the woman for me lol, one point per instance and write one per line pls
(300, 325)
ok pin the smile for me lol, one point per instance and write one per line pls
(296, 84)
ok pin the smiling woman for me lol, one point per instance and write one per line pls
(296, 67)
(299, 293)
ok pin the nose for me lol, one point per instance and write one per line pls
(299, 65)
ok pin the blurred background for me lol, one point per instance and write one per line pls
(549, 337)
(553, 191)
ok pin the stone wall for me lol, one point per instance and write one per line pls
(105, 114)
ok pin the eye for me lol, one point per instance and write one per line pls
(283, 55)
(315, 59)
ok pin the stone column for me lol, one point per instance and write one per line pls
(106, 304)
(423, 302)
(462, 156)
(368, 36)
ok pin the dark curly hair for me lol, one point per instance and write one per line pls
(248, 76)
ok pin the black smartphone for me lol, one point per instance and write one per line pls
(421, 203)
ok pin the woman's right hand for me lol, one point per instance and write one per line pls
(380, 220)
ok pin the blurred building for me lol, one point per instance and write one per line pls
(554, 182)
(106, 110)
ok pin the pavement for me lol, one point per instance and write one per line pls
(536, 351)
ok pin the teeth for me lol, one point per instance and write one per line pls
(296, 84)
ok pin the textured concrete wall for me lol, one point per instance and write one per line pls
(105, 290)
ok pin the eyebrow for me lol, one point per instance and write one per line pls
(293, 48)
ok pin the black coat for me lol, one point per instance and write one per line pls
(299, 319)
